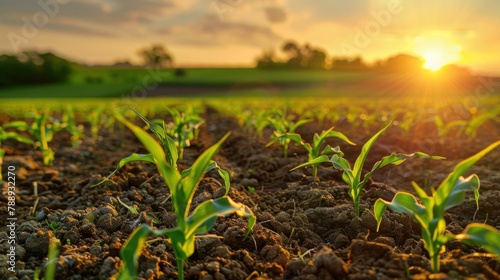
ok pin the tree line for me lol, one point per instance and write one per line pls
(305, 56)
(31, 68)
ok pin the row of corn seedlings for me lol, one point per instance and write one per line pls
(174, 136)
(450, 193)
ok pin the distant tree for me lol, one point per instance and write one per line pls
(123, 64)
(267, 60)
(157, 56)
(313, 57)
(54, 68)
(294, 53)
(402, 62)
(33, 68)
(344, 64)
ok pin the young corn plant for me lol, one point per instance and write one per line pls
(70, 125)
(7, 135)
(430, 214)
(477, 121)
(182, 187)
(352, 175)
(43, 131)
(283, 125)
(183, 129)
(444, 129)
(94, 117)
(169, 148)
(314, 150)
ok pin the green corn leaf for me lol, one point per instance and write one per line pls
(330, 133)
(483, 235)
(19, 125)
(172, 152)
(213, 165)
(447, 185)
(342, 164)
(226, 178)
(131, 251)
(360, 161)
(167, 142)
(50, 272)
(394, 159)
(197, 222)
(18, 138)
(206, 226)
(427, 201)
(402, 202)
(298, 124)
(317, 160)
(169, 174)
(398, 158)
(190, 182)
(457, 194)
(155, 128)
(294, 137)
(328, 150)
(125, 160)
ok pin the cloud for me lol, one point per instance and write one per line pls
(120, 12)
(346, 12)
(109, 12)
(80, 29)
(211, 31)
(275, 14)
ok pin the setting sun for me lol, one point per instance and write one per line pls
(437, 51)
(434, 60)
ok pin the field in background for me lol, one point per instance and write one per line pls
(108, 82)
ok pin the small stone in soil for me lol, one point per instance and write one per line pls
(249, 182)
(37, 244)
(212, 267)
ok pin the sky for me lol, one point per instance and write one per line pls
(235, 32)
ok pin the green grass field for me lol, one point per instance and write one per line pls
(107, 82)
(112, 83)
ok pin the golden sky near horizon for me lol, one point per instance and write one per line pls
(235, 32)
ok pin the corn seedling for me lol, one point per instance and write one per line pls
(183, 128)
(170, 150)
(444, 129)
(352, 175)
(314, 150)
(283, 125)
(477, 121)
(43, 131)
(94, 119)
(182, 187)
(70, 125)
(430, 214)
(10, 135)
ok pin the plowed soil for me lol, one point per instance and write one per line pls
(306, 228)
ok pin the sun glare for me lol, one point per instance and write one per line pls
(437, 51)
(433, 60)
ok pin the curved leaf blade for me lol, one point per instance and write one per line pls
(132, 158)
(201, 220)
(483, 235)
